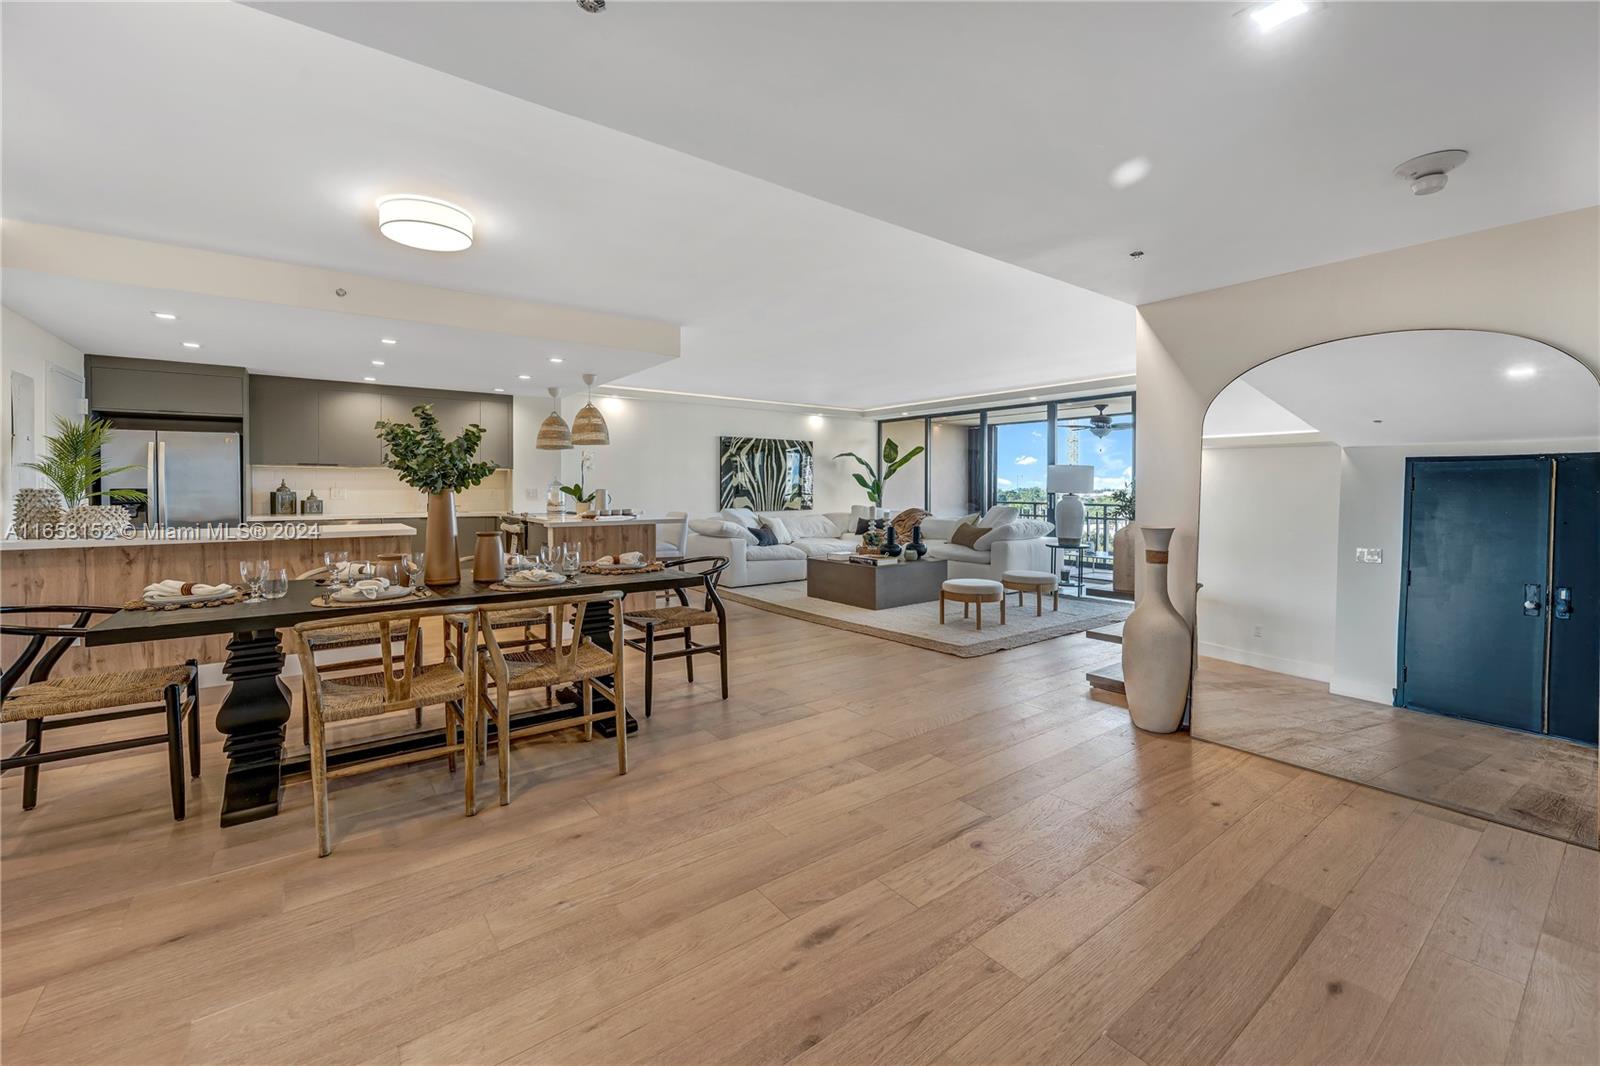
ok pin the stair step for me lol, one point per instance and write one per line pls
(1107, 678)
(1109, 594)
(1111, 634)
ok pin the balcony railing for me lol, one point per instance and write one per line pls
(1098, 526)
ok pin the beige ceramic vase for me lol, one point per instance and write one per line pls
(1155, 645)
(443, 565)
(1123, 564)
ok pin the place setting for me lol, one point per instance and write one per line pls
(357, 583)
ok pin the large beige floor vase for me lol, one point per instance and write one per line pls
(1156, 646)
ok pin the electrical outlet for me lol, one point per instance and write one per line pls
(335, 492)
(1369, 555)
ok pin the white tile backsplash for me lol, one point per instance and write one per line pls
(368, 490)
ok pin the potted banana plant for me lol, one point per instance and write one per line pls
(893, 460)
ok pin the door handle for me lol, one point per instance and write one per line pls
(1563, 603)
(1532, 600)
(161, 463)
(152, 506)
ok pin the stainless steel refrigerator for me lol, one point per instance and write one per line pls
(190, 476)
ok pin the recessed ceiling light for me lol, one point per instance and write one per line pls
(499, 389)
(904, 414)
(388, 340)
(1129, 172)
(191, 344)
(377, 362)
(1521, 372)
(524, 377)
(555, 359)
(369, 379)
(165, 316)
(1032, 398)
(425, 223)
(1269, 17)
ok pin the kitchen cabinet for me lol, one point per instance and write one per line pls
(346, 420)
(284, 421)
(150, 387)
(495, 418)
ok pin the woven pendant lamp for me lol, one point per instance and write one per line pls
(589, 425)
(553, 433)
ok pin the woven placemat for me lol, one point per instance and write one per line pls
(140, 605)
(603, 568)
(417, 593)
(500, 586)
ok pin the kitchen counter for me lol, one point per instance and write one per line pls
(372, 516)
(251, 532)
(566, 521)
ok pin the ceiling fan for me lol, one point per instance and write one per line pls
(1100, 423)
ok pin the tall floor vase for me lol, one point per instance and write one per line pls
(1156, 645)
(443, 564)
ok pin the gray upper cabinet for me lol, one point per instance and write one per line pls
(345, 426)
(138, 386)
(284, 418)
(495, 418)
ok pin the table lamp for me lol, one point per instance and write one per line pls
(1067, 480)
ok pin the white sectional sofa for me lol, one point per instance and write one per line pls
(1010, 543)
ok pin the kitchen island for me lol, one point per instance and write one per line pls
(594, 537)
(111, 572)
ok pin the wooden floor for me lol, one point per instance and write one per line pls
(1541, 784)
(872, 854)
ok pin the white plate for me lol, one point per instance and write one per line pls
(553, 579)
(393, 592)
(167, 601)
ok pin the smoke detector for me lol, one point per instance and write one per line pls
(1428, 173)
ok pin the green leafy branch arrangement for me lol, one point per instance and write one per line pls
(426, 461)
(72, 463)
(892, 462)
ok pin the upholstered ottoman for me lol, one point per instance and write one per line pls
(1037, 582)
(970, 591)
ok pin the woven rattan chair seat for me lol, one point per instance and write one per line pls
(355, 635)
(363, 695)
(673, 617)
(536, 667)
(91, 692)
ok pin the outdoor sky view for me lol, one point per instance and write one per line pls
(1021, 458)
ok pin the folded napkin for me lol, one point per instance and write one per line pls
(172, 590)
(346, 571)
(370, 588)
(625, 559)
(533, 577)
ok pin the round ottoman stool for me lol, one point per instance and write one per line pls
(968, 591)
(1037, 582)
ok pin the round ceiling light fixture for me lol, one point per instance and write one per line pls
(425, 223)
(1429, 173)
(593, 7)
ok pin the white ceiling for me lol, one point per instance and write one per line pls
(1241, 410)
(220, 127)
(1422, 387)
(996, 126)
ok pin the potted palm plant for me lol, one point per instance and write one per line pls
(72, 465)
(892, 462)
(429, 463)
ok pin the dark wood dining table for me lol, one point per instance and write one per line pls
(257, 707)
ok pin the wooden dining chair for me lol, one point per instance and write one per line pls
(579, 661)
(46, 703)
(679, 621)
(401, 684)
(344, 638)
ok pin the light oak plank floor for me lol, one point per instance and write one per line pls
(1541, 784)
(871, 854)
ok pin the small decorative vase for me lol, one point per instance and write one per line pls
(916, 544)
(890, 547)
(1156, 646)
(489, 559)
(584, 507)
(1122, 563)
(443, 565)
(35, 513)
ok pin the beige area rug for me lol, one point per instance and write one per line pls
(918, 623)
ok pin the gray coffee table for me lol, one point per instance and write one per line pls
(876, 588)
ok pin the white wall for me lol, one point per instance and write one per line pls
(1537, 279)
(905, 488)
(663, 451)
(949, 450)
(28, 349)
(1268, 549)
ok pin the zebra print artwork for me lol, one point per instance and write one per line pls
(764, 474)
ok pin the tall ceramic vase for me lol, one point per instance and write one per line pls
(1122, 560)
(1156, 645)
(443, 564)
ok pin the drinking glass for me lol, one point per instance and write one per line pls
(571, 559)
(275, 582)
(335, 562)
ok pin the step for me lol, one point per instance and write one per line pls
(1111, 634)
(1109, 594)
(1107, 678)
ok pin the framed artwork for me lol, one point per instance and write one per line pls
(765, 474)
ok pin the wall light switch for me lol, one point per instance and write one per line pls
(1369, 555)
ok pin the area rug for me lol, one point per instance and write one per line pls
(918, 623)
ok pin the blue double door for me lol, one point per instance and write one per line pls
(1500, 603)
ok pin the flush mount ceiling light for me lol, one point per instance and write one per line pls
(593, 7)
(165, 316)
(553, 433)
(1269, 17)
(1427, 173)
(426, 223)
(589, 425)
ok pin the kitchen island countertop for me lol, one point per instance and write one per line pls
(278, 529)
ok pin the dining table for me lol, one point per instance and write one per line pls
(257, 707)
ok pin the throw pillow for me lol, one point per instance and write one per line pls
(742, 515)
(966, 535)
(906, 521)
(777, 528)
(1021, 529)
(862, 525)
(998, 515)
(765, 537)
(809, 527)
(722, 529)
(941, 528)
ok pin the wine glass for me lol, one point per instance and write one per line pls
(251, 574)
(336, 562)
(412, 566)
